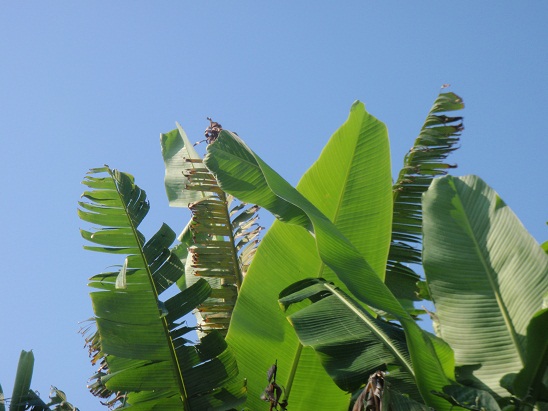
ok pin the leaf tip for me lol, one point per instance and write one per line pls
(357, 105)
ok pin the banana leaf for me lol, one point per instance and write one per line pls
(24, 398)
(351, 344)
(487, 277)
(21, 388)
(140, 338)
(243, 174)
(437, 139)
(221, 238)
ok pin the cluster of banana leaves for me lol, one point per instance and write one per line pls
(330, 296)
(486, 275)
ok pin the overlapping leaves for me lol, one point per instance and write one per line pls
(242, 173)
(356, 195)
(350, 342)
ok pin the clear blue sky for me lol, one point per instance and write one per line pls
(88, 83)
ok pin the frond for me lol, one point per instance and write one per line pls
(140, 340)
(438, 137)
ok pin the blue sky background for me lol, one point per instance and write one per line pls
(84, 84)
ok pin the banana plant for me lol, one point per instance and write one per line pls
(348, 227)
(146, 361)
(488, 279)
(357, 196)
(221, 239)
(486, 275)
(24, 398)
(242, 173)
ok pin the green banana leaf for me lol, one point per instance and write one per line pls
(438, 137)
(23, 378)
(24, 398)
(351, 343)
(243, 174)
(487, 277)
(140, 338)
(351, 185)
(260, 334)
(289, 254)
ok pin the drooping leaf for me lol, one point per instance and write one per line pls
(243, 174)
(140, 338)
(438, 137)
(351, 343)
(487, 277)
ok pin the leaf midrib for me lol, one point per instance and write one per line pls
(490, 276)
(180, 380)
